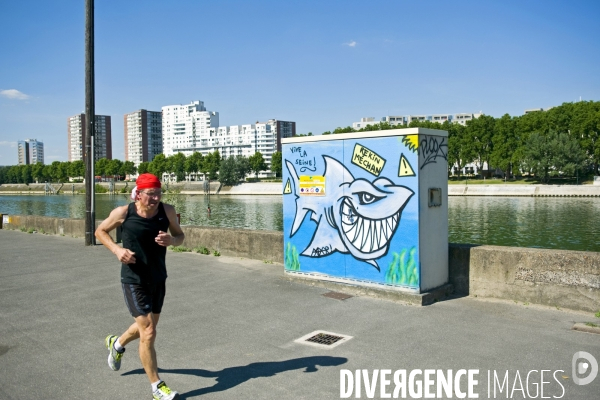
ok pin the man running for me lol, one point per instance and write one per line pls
(143, 271)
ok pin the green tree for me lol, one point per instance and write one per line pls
(276, 163)
(257, 163)
(479, 133)
(193, 163)
(37, 172)
(158, 166)
(553, 154)
(113, 167)
(26, 174)
(77, 169)
(227, 175)
(101, 167)
(127, 168)
(211, 164)
(176, 165)
(242, 167)
(143, 168)
(506, 143)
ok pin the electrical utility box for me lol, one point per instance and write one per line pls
(367, 208)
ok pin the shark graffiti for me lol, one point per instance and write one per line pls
(355, 216)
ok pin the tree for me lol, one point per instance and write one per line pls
(143, 168)
(242, 167)
(211, 164)
(479, 132)
(553, 154)
(37, 171)
(276, 163)
(127, 168)
(77, 169)
(26, 173)
(506, 142)
(113, 167)
(176, 165)
(227, 175)
(101, 167)
(158, 166)
(257, 163)
(193, 164)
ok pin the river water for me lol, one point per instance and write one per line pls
(546, 222)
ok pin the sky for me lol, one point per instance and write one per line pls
(323, 64)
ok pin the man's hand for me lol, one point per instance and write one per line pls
(126, 256)
(164, 239)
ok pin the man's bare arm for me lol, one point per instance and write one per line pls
(114, 220)
(176, 237)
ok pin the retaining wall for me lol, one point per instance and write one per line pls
(557, 278)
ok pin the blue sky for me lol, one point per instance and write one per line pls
(322, 64)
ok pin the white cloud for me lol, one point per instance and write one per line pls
(350, 44)
(14, 94)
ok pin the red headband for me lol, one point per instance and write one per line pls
(147, 181)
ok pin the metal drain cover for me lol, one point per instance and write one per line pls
(323, 339)
(337, 295)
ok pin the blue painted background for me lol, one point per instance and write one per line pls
(400, 266)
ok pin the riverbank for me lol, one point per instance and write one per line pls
(276, 188)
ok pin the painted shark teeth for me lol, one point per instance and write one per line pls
(367, 235)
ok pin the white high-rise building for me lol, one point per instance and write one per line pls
(30, 151)
(187, 128)
(143, 136)
(76, 137)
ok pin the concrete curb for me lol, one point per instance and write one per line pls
(585, 328)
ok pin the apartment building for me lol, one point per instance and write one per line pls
(143, 136)
(187, 128)
(77, 133)
(394, 120)
(31, 151)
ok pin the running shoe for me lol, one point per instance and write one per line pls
(163, 392)
(114, 357)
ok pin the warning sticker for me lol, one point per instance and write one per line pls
(312, 185)
(288, 187)
(405, 169)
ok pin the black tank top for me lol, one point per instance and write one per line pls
(138, 236)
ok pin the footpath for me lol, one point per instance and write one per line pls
(229, 329)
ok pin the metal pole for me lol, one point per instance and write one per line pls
(90, 119)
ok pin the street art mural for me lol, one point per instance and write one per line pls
(350, 209)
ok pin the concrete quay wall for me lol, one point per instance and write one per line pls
(556, 278)
(525, 190)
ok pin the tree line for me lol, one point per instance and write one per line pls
(564, 140)
(228, 170)
(61, 171)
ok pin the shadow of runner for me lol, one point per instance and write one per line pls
(233, 376)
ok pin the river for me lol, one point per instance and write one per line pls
(546, 222)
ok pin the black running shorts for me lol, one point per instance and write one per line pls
(145, 298)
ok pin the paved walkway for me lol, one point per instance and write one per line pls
(228, 328)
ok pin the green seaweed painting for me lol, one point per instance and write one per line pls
(291, 258)
(402, 271)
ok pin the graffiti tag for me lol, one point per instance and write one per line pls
(432, 147)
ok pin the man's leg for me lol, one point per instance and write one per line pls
(132, 333)
(146, 331)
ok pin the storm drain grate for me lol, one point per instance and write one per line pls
(323, 339)
(337, 295)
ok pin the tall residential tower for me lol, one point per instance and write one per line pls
(76, 128)
(143, 136)
(30, 151)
